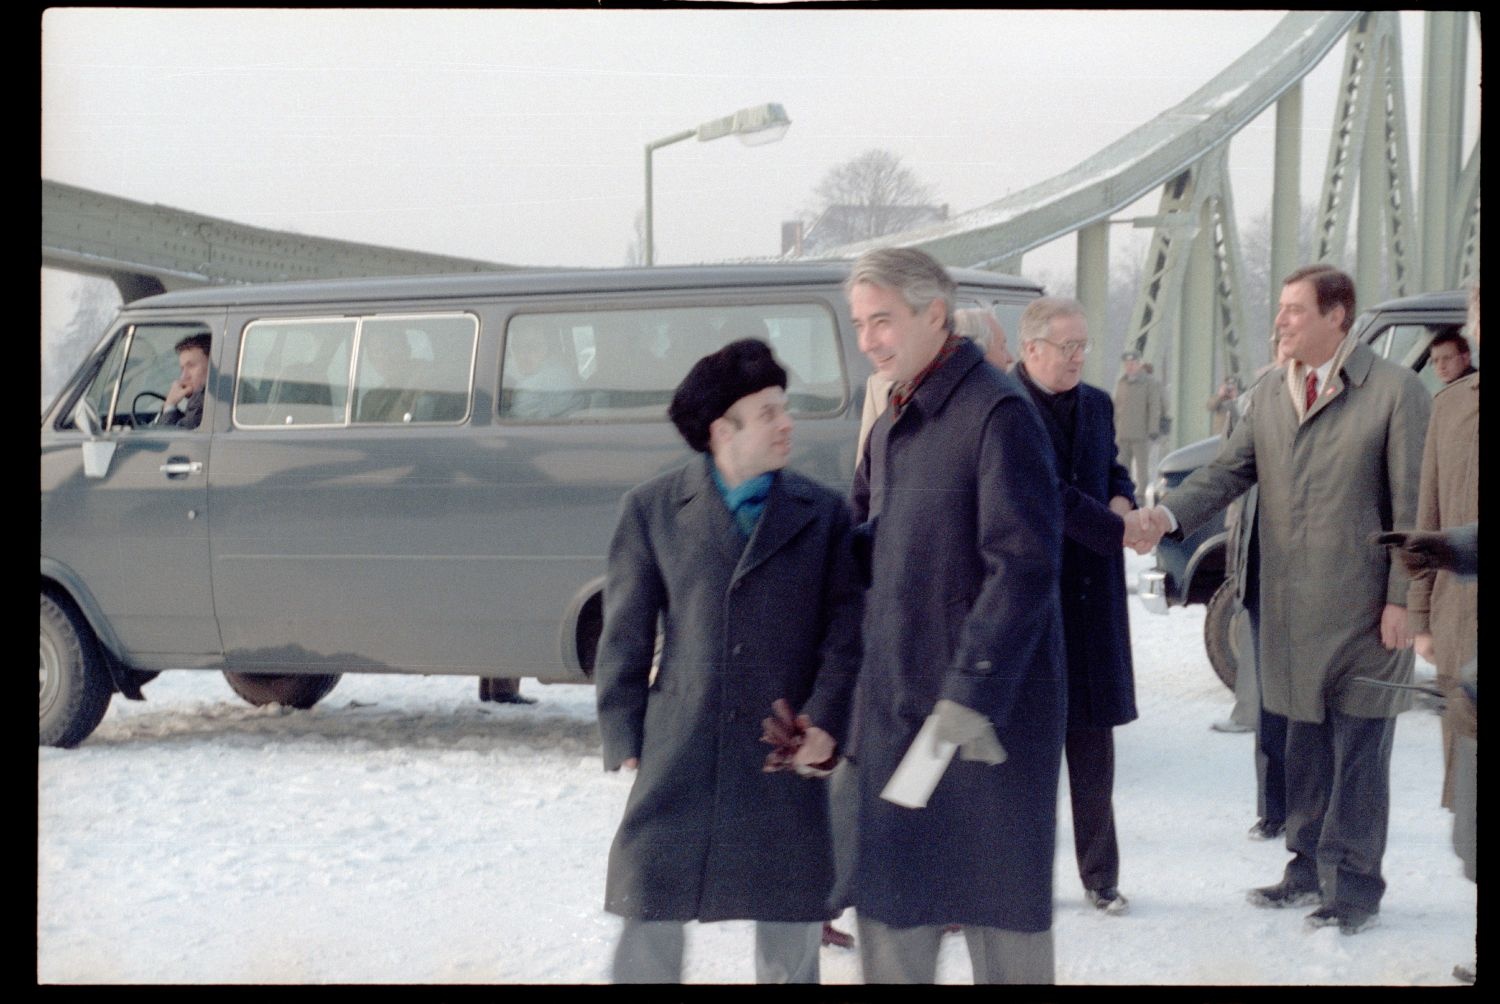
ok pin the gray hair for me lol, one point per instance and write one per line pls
(972, 324)
(1036, 319)
(916, 275)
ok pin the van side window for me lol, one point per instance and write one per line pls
(294, 372)
(130, 385)
(625, 364)
(413, 370)
(405, 370)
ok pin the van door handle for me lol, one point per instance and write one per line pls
(179, 467)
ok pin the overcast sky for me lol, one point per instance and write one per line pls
(518, 135)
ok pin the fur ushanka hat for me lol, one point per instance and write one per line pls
(717, 381)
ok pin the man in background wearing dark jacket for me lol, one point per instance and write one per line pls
(1098, 503)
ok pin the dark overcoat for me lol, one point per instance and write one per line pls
(1096, 623)
(707, 835)
(1329, 479)
(963, 605)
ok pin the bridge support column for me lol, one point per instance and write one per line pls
(1198, 333)
(1369, 232)
(1441, 139)
(1092, 284)
(1286, 194)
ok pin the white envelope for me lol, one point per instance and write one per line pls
(920, 770)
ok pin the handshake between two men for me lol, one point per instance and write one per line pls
(1143, 527)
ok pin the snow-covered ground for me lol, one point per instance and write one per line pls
(404, 832)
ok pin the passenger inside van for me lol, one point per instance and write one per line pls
(540, 383)
(387, 388)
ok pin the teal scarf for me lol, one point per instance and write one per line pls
(747, 500)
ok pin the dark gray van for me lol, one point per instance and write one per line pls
(408, 475)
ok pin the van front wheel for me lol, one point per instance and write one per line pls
(73, 682)
(289, 689)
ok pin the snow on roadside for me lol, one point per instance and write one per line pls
(402, 832)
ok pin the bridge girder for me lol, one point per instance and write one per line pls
(146, 248)
(1132, 166)
(1183, 151)
(1195, 234)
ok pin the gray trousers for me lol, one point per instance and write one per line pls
(910, 954)
(650, 951)
(1338, 787)
(1246, 711)
(1466, 803)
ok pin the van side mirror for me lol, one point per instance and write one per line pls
(97, 452)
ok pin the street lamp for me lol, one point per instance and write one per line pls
(754, 126)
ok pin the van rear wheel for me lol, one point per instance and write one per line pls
(73, 682)
(290, 689)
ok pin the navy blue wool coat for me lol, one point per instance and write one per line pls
(963, 604)
(1096, 623)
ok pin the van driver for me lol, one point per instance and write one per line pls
(184, 404)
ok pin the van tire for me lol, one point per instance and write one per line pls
(1218, 622)
(74, 684)
(292, 690)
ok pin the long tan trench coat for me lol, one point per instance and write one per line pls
(1444, 605)
(1328, 480)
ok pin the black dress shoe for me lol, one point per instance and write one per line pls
(1350, 919)
(502, 691)
(1284, 894)
(1108, 901)
(1263, 830)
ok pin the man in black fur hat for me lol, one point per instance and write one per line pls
(747, 569)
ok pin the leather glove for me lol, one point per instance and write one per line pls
(1420, 551)
(970, 731)
(786, 733)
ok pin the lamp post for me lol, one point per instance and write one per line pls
(754, 126)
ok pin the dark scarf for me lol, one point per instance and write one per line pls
(901, 393)
(1061, 409)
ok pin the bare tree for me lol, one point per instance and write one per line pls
(94, 303)
(869, 196)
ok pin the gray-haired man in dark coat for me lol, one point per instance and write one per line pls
(962, 626)
(749, 572)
